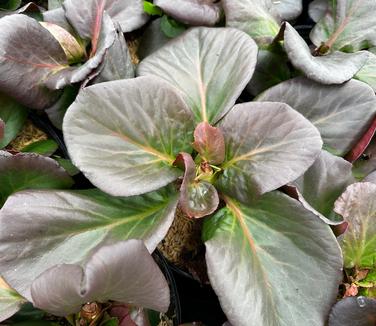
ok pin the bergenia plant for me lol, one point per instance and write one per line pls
(174, 135)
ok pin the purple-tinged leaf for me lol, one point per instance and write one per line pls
(122, 312)
(211, 66)
(370, 177)
(192, 12)
(272, 262)
(317, 9)
(64, 227)
(124, 272)
(362, 143)
(209, 143)
(74, 74)
(348, 25)
(319, 187)
(358, 207)
(267, 146)
(30, 171)
(10, 301)
(197, 198)
(28, 55)
(334, 68)
(354, 311)
(257, 18)
(330, 108)
(138, 147)
(288, 9)
(73, 50)
(85, 16)
(117, 63)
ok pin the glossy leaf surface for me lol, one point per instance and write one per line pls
(358, 207)
(348, 25)
(30, 171)
(63, 227)
(334, 68)
(342, 113)
(263, 260)
(13, 116)
(267, 145)
(211, 66)
(28, 55)
(192, 12)
(197, 198)
(258, 18)
(138, 147)
(86, 16)
(123, 272)
(322, 184)
(354, 311)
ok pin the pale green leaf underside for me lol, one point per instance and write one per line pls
(10, 303)
(263, 261)
(211, 66)
(54, 227)
(367, 73)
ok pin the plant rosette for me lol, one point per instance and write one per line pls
(173, 135)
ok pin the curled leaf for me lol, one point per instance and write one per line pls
(209, 143)
(197, 198)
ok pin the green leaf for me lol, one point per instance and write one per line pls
(54, 4)
(14, 116)
(63, 227)
(10, 4)
(348, 26)
(197, 198)
(358, 207)
(123, 272)
(367, 73)
(29, 171)
(211, 66)
(67, 165)
(333, 68)
(258, 18)
(2, 127)
(320, 186)
(330, 108)
(267, 145)
(10, 301)
(43, 147)
(152, 9)
(192, 12)
(171, 28)
(264, 260)
(137, 125)
(110, 322)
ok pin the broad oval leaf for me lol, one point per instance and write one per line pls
(354, 311)
(124, 272)
(197, 198)
(29, 54)
(321, 185)
(288, 9)
(358, 206)
(192, 12)
(267, 145)
(272, 263)
(10, 301)
(85, 16)
(348, 25)
(342, 113)
(40, 229)
(30, 171)
(137, 125)
(367, 73)
(211, 66)
(258, 18)
(13, 116)
(334, 68)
